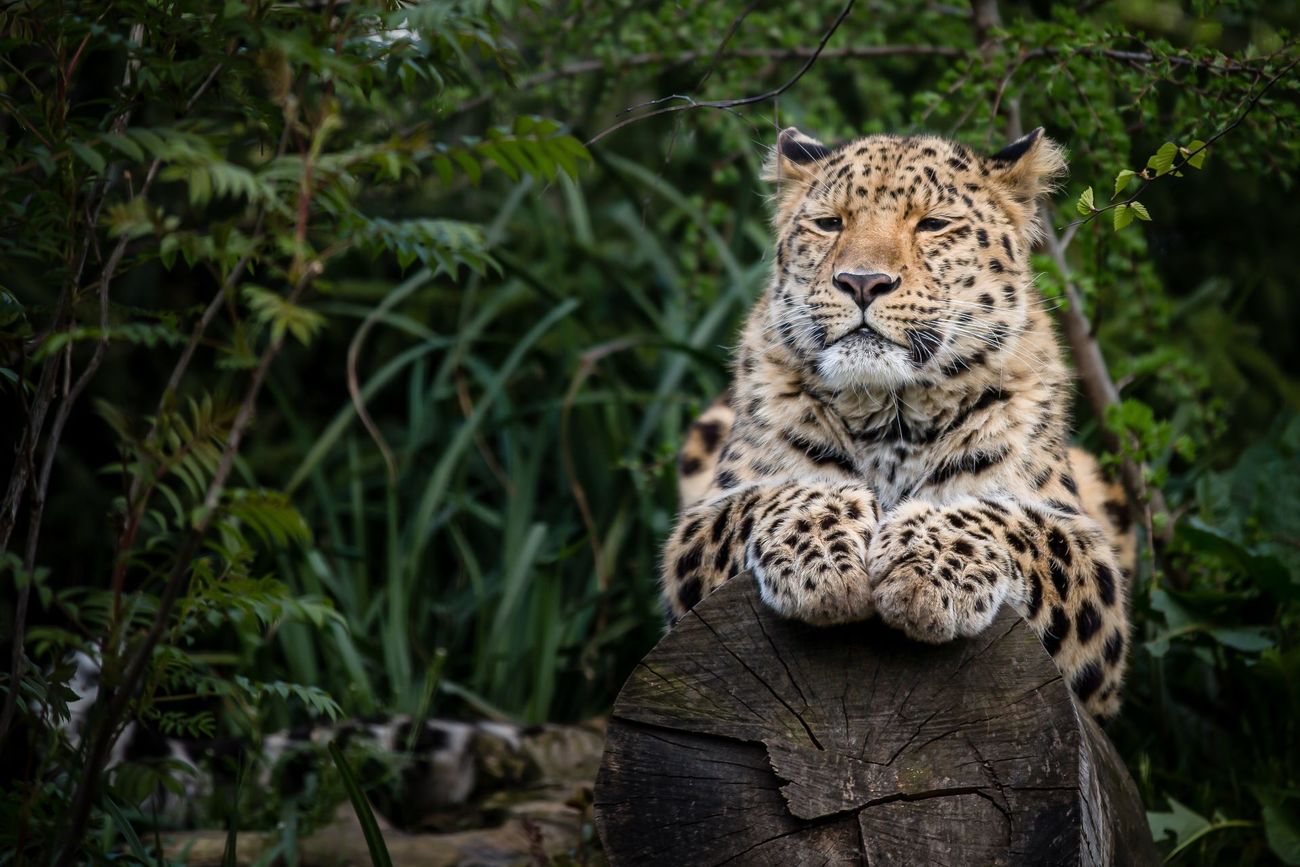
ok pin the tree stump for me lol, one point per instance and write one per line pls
(743, 738)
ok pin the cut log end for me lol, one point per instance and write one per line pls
(743, 738)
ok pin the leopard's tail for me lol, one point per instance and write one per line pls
(698, 458)
(1107, 504)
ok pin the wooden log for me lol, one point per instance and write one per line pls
(743, 738)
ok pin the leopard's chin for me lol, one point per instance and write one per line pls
(865, 359)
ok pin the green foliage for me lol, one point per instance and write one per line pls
(435, 359)
(189, 184)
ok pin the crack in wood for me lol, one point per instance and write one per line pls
(776, 695)
(742, 757)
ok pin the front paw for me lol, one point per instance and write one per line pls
(810, 560)
(932, 587)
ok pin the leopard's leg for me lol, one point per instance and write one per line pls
(942, 571)
(805, 543)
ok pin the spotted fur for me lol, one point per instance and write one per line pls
(898, 417)
(418, 773)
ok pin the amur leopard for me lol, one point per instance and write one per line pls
(419, 774)
(894, 441)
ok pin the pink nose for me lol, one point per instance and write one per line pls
(865, 288)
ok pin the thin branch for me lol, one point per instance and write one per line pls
(853, 52)
(1146, 58)
(725, 41)
(37, 508)
(745, 100)
(985, 16)
(135, 511)
(590, 360)
(25, 462)
(668, 59)
(1183, 159)
(354, 352)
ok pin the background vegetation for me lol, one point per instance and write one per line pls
(338, 376)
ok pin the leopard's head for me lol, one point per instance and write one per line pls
(899, 259)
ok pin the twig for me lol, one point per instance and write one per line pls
(134, 505)
(354, 351)
(985, 16)
(725, 41)
(1183, 159)
(480, 442)
(25, 463)
(590, 359)
(37, 508)
(654, 58)
(744, 100)
(1144, 58)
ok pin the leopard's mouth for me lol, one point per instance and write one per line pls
(866, 335)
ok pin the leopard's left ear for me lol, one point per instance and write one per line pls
(1027, 170)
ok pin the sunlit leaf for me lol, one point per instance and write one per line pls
(1163, 159)
(1123, 178)
(1084, 205)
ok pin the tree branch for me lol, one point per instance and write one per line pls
(655, 58)
(1098, 386)
(745, 100)
(1183, 159)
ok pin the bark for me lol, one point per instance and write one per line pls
(744, 738)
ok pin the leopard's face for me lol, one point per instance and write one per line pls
(899, 258)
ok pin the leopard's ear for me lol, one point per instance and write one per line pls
(792, 166)
(1026, 171)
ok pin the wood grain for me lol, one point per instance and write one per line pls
(743, 738)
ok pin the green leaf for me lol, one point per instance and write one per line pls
(89, 156)
(1180, 821)
(128, 833)
(469, 166)
(1195, 153)
(282, 315)
(1282, 830)
(1122, 179)
(124, 146)
(369, 827)
(1084, 205)
(1248, 639)
(11, 310)
(1123, 216)
(1163, 160)
(1140, 211)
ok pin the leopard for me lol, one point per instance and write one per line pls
(895, 439)
(438, 774)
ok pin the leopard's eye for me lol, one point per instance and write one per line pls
(931, 224)
(829, 224)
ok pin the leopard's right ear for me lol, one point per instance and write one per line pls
(791, 167)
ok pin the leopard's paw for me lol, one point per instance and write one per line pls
(935, 583)
(809, 556)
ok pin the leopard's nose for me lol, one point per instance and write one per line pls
(865, 288)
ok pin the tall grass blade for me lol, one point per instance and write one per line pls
(369, 827)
